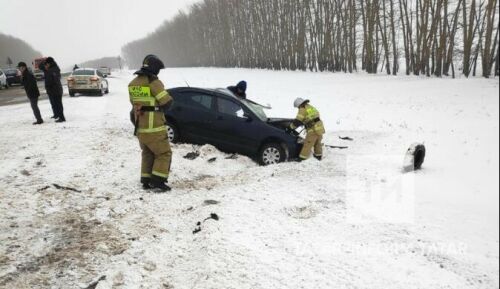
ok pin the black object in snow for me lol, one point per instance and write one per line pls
(415, 157)
(192, 155)
(346, 138)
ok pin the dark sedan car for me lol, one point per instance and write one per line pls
(217, 117)
(13, 76)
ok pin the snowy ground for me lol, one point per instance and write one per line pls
(283, 226)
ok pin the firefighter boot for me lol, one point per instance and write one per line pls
(158, 185)
(146, 183)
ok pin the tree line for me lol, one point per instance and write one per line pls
(419, 37)
(14, 50)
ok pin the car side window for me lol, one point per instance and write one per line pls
(196, 100)
(230, 108)
(99, 74)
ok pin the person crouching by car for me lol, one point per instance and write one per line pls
(239, 90)
(54, 87)
(31, 88)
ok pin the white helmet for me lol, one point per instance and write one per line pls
(299, 101)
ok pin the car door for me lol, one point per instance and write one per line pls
(194, 112)
(237, 128)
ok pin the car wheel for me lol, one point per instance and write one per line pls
(71, 93)
(271, 153)
(100, 92)
(415, 157)
(172, 133)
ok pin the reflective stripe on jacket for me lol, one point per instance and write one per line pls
(308, 116)
(144, 93)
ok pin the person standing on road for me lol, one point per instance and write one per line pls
(239, 90)
(31, 88)
(54, 87)
(308, 116)
(148, 97)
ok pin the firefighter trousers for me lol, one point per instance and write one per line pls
(156, 155)
(312, 141)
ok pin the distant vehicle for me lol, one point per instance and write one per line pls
(3, 80)
(36, 65)
(217, 117)
(105, 70)
(87, 80)
(13, 76)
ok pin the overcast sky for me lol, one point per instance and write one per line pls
(73, 31)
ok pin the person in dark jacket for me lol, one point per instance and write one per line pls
(31, 88)
(54, 87)
(239, 90)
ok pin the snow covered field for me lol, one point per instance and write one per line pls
(283, 226)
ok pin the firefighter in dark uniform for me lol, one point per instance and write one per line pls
(148, 97)
(308, 116)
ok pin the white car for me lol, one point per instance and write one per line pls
(3, 80)
(87, 80)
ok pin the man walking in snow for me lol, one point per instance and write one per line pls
(308, 116)
(148, 97)
(31, 88)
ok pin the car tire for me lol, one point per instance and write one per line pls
(71, 93)
(100, 92)
(173, 133)
(271, 153)
(415, 157)
(107, 90)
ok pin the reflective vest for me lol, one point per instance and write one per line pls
(148, 95)
(309, 116)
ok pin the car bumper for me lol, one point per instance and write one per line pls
(13, 81)
(76, 87)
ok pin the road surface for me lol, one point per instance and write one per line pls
(16, 95)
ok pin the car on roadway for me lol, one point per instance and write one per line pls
(13, 76)
(3, 80)
(87, 80)
(105, 70)
(234, 125)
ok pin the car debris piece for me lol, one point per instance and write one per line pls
(94, 284)
(59, 187)
(346, 138)
(192, 156)
(43, 189)
(337, 147)
(212, 217)
(210, 202)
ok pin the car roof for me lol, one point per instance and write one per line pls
(220, 91)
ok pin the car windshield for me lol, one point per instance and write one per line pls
(84, 72)
(257, 109)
